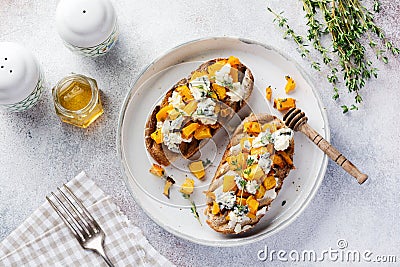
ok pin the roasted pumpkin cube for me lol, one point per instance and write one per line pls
(286, 157)
(248, 199)
(157, 136)
(189, 130)
(284, 103)
(290, 84)
(184, 91)
(234, 61)
(173, 114)
(254, 172)
(252, 127)
(157, 170)
(215, 208)
(162, 114)
(229, 183)
(237, 162)
(268, 93)
(212, 69)
(197, 74)
(269, 182)
(219, 90)
(197, 169)
(260, 192)
(190, 107)
(241, 201)
(187, 187)
(277, 161)
(168, 183)
(202, 132)
(259, 150)
(253, 206)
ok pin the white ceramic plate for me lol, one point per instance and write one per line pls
(269, 67)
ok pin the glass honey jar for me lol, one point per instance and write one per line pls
(77, 100)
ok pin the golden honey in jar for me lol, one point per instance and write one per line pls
(77, 100)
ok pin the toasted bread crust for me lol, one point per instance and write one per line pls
(219, 222)
(189, 149)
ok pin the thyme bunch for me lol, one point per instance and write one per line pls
(347, 23)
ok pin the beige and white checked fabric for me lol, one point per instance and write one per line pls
(44, 240)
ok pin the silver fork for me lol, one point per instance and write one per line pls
(82, 225)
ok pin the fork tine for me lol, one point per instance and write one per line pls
(82, 220)
(87, 213)
(74, 221)
(66, 222)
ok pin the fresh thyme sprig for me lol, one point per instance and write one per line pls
(346, 22)
(193, 208)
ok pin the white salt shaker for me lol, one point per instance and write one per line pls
(21, 78)
(87, 27)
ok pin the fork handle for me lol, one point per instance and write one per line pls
(103, 254)
(332, 153)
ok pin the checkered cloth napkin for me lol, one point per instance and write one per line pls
(44, 240)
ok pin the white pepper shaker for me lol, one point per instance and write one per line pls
(21, 78)
(87, 27)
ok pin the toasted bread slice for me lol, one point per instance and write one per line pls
(159, 151)
(238, 160)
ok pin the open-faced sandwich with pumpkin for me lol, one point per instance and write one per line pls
(191, 110)
(250, 175)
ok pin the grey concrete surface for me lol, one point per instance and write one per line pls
(38, 152)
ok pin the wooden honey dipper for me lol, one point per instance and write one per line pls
(296, 120)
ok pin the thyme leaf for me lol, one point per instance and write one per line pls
(347, 23)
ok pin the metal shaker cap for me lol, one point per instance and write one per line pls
(85, 23)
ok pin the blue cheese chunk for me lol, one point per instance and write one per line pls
(200, 87)
(205, 112)
(265, 162)
(225, 200)
(172, 137)
(252, 186)
(262, 139)
(281, 138)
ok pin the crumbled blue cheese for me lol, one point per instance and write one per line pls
(240, 182)
(261, 211)
(262, 139)
(205, 111)
(247, 145)
(252, 186)
(251, 159)
(159, 124)
(270, 194)
(236, 217)
(223, 78)
(171, 133)
(225, 199)
(200, 87)
(281, 138)
(234, 150)
(236, 93)
(265, 162)
(176, 100)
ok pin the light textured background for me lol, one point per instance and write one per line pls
(38, 152)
